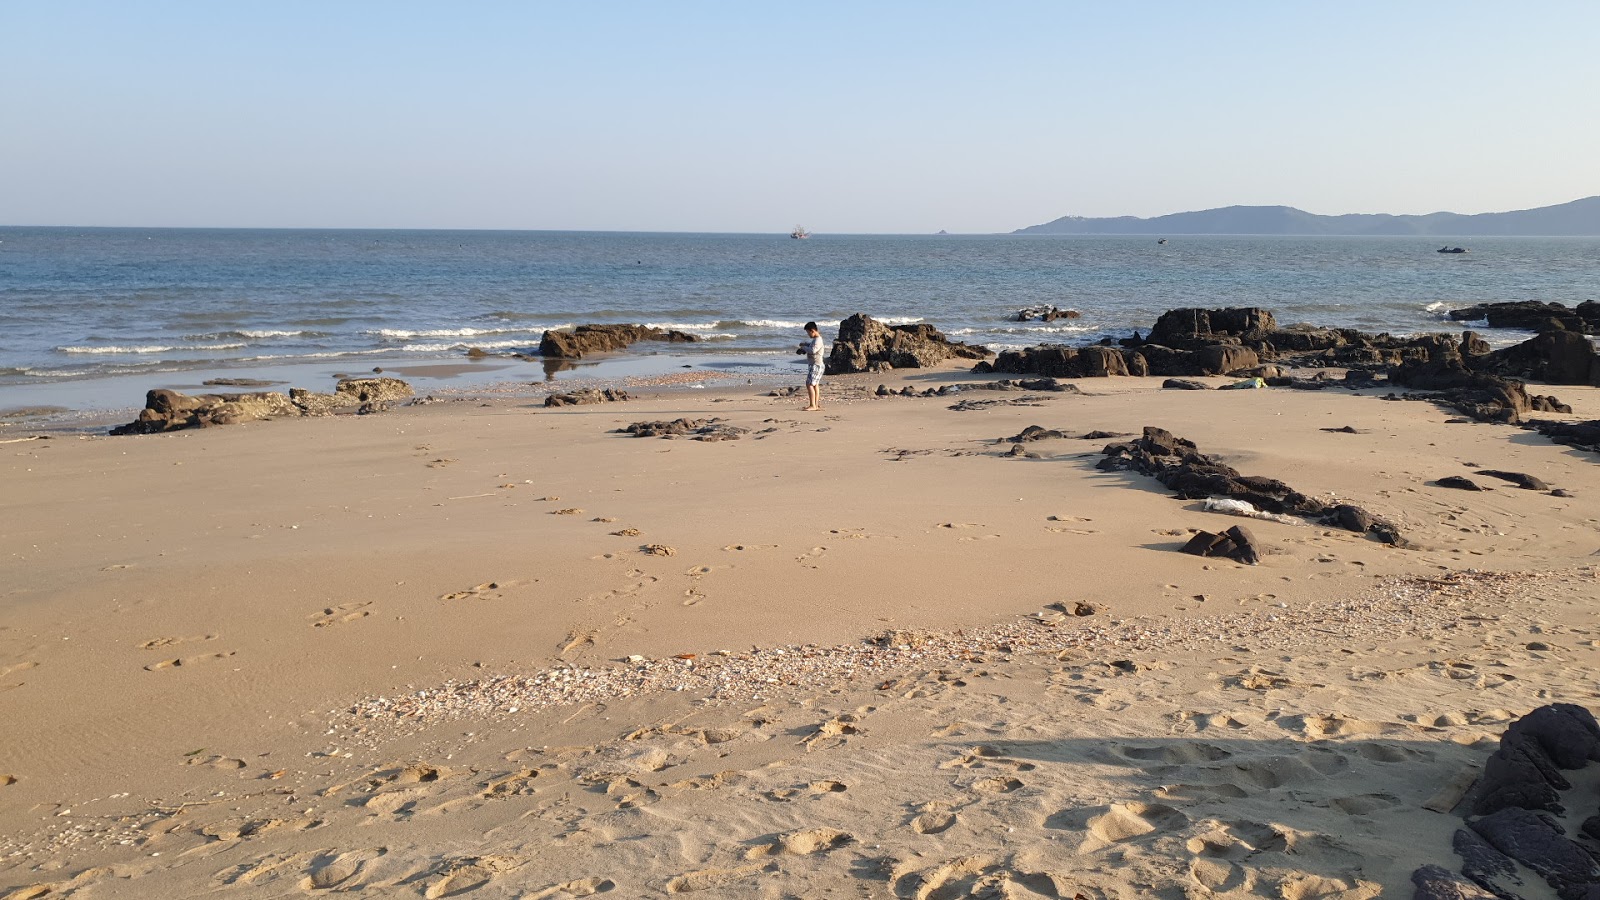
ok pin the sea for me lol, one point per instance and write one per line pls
(91, 318)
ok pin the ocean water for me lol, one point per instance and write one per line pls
(185, 304)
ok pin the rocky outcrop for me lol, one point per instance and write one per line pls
(1190, 329)
(587, 396)
(694, 429)
(1237, 543)
(866, 345)
(1507, 811)
(1045, 313)
(1554, 357)
(1192, 475)
(586, 339)
(1534, 315)
(1583, 435)
(167, 410)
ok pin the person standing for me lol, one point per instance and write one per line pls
(812, 349)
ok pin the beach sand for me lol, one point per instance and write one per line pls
(482, 648)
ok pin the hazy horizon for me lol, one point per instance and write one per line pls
(895, 119)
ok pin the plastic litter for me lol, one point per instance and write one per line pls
(1245, 385)
(1242, 508)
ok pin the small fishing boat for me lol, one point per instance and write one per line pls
(800, 232)
(1449, 249)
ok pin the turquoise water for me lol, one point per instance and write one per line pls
(112, 303)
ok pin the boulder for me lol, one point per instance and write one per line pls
(1184, 327)
(1458, 482)
(1184, 384)
(1221, 359)
(1102, 361)
(1045, 313)
(1485, 866)
(586, 339)
(864, 344)
(1520, 479)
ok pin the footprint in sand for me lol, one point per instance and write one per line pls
(933, 818)
(329, 871)
(158, 643)
(512, 784)
(802, 843)
(338, 615)
(482, 590)
(708, 879)
(570, 511)
(439, 463)
(1056, 530)
(1125, 821)
(814, 553)
(583, 887)
(17, 667)
(469, 874)
(187, 661)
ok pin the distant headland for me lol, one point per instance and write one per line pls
(1578, 218)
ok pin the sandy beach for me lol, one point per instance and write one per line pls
(484, 648)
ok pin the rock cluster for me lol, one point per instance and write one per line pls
(694, 429)
(586, 339)
(1045, 313)
(1179, 464)
(866, 345)
(1008, 384)
(1466, 381)
(1507, 812)
(1534, 315)
(171, 411)
(1583, 435)
(587, 396)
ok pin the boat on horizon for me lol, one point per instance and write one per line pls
(1449, 249)
(800, 232)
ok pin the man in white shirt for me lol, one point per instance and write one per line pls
(812, 348)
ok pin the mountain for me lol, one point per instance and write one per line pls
(1580, 217)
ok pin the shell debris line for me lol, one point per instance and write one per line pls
(1394, 607)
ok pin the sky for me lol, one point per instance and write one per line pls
(853, 117)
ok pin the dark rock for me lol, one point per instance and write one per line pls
(584, 397)
(1352, 518)
(1459, 483)
(1102, 361)
(1483, 865)
(864, 343)
(695, 429)
(1540, 844)
(1553, 357)
(1045, 313)
(1519, 774)
(1472, 345)
(586, 339)
(1222, 359)
(1183, 384)
(1033, 433)
(1246, 549)
(1562, 492)
(1102, 435)
(1528, 315)
(1436, 883)
(1360, 377)
(1343, 429)
(1583, 435)
(1180, 327)
(1137, 365)
(1202, 542)
(1566, 732)
(1517, 478)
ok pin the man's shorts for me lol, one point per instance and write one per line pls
(815, 375)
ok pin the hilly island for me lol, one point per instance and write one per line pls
(1578, 218)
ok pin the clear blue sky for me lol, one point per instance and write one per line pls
(847, 117)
